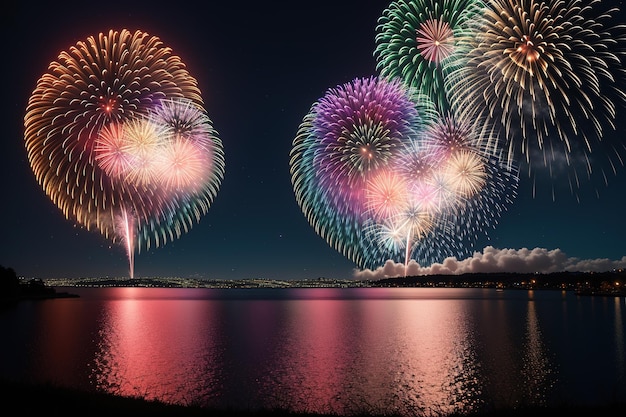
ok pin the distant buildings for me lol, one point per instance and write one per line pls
(612, 282)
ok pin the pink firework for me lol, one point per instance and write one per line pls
(426, 193)
(386, 194)
(450, 135)
(183, 166)
(111, 151)
(435, 40)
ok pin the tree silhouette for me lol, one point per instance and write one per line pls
(9, 283)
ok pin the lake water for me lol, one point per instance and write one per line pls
(411, 351)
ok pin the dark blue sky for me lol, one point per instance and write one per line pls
(260, 67)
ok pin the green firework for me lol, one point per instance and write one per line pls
(414, 39)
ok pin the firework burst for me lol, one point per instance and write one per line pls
(414, 39)
(380, 175)
(102, 126)
(347, 139)
(360, 126)
(466, 173)
(435, 40)
(549, 75)
(386, 195)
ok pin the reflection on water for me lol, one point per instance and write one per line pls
(157, 349)
(620, 353)
(322, 354)
(59, 333)
(536, 367)
(435, 357)
(316, 353)
(402, 351)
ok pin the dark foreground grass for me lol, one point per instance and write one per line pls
(49, 400)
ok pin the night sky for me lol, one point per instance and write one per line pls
(260, 67)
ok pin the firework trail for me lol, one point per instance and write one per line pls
(550, 76)
(118, 138)
(380, 175)
(414, 39)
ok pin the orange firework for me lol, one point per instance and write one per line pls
(95, 141)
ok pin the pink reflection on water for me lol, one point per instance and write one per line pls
(157, 348)
(440, 371)
(376, 355)
(314, 361)
(380, 351)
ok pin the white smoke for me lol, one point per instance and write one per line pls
(538, 260)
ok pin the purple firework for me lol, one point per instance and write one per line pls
(359, 127)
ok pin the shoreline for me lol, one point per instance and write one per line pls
(611, 283)
(48, 398)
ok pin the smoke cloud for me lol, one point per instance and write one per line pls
(537, 260)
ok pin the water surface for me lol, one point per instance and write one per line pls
(402, 350)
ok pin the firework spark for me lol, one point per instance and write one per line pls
(466, 173)
(435, 40)
(386, 194)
